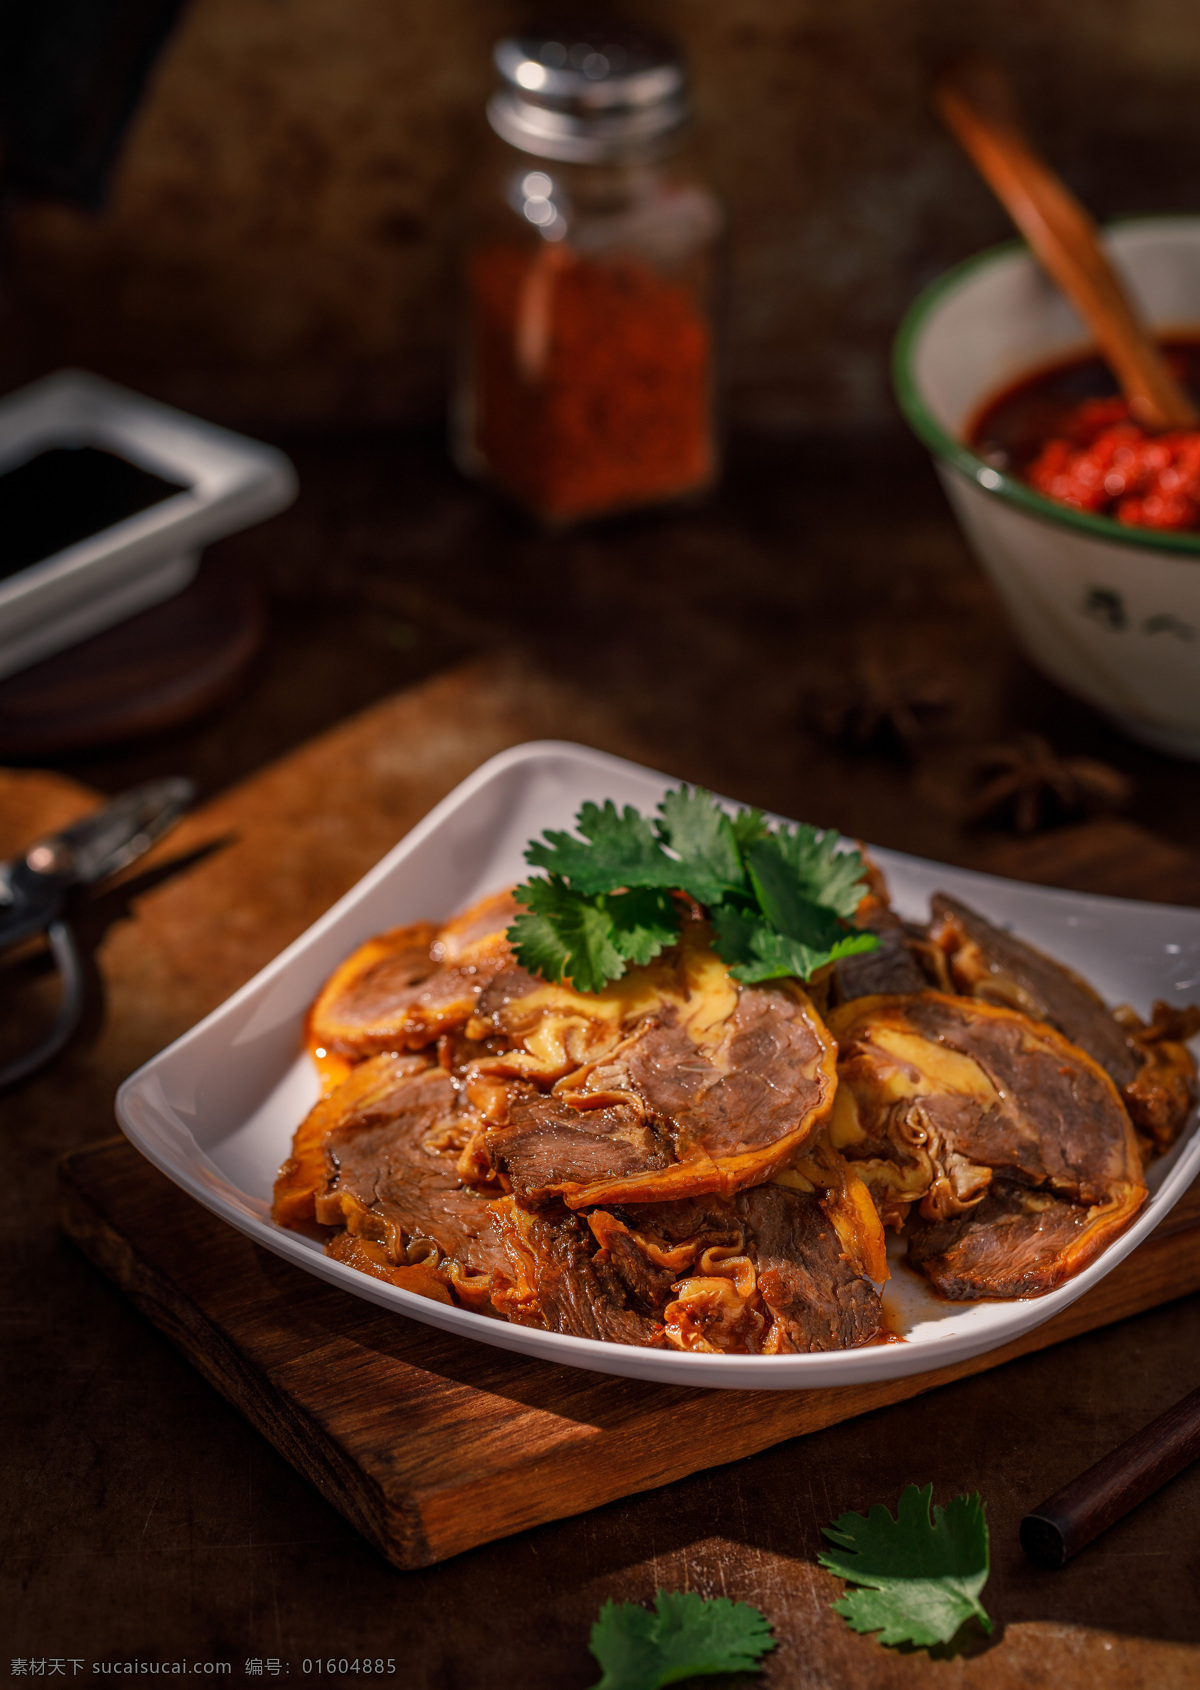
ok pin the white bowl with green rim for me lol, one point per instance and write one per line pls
(1110, 612)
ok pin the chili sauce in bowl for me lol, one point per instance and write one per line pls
(1088, 529)
(1066, 431)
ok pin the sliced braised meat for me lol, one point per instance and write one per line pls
(391, 1142)
(546, 1031)
(503, 993)
(652, 1246)
(672, 1081)
(639, 1259)
(1150, 1065)
(369, 994)
(672, 1161)
(408, 987)
(766, 1271)
(1015, 1243)
(941, 1095)
(305, 1173)
(815, 1298)
(482, 927)
(424, 1278)
(554, 1032)
(771, 1270)
(1057, 1118)
(578, 1291)
(988, 963)
(891, 967)
(1161, 1094)
(544, 1146)
(734, 1101)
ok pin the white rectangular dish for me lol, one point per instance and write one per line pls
(216, 1110)
(228, 482)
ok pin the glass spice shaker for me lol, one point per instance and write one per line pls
(586, 370)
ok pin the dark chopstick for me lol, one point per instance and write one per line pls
(1091, 1503)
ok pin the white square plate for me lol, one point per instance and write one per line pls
(216, 1110)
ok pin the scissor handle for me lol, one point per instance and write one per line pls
(68, 960)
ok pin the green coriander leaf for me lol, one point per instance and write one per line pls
(537, 943)
(749, 827)
(643, 921)
(922, 1577)
(734, 930)
(565, 936)
(621, 849)
(825, 874)
(562, 935)
(755, 950)
(622, 1640)
(685, 1637)
(699, 831)
(785, 902)
(779, 900)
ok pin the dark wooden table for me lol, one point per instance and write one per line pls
(142, 1518)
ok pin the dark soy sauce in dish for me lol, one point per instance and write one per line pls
(67, 494)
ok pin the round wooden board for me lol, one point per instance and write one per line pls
(157, 670)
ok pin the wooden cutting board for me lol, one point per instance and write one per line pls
(427, 1444)
(430, 1444)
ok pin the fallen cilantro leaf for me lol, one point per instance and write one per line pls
(684, 1637)
(780, 901)
(919, 1580)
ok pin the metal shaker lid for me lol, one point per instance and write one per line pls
(587, 93)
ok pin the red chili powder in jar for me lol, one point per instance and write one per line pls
(591, 380)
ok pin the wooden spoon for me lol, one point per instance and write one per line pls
(976, 101)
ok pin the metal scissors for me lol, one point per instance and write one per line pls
(36, 891)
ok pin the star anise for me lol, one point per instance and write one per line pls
(1030, 786)
(880, 706)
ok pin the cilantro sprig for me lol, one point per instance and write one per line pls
(780, 899)
(919, 1578)
(684, 1637)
